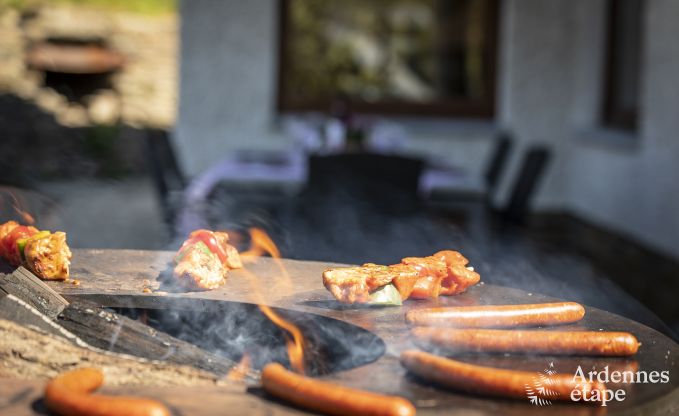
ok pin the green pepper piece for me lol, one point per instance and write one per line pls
(387, 295)
(199, 245)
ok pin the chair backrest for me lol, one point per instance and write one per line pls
(497, 162)
(165, 172)
(532, 169)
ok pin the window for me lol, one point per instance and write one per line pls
(621, 95)
(417, 57)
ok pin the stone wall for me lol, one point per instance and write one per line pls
(144, 92)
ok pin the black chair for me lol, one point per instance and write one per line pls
(470, 190)
(532, 169)
(497, 163)
(167, 177)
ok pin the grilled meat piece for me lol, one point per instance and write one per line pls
(204, 260)
(458, 276)
(444, 273)
(233, 260)
(48, 256)
(354, 284)
(200, 268)
(9, 247)
(45, 254)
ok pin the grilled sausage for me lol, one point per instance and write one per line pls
(489, 316)
(69, 394)
(613, 344)
(330, 398)
(492, 381)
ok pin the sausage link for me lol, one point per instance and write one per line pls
(492, 381)
(612, 344)
(330, 398)
(69, 394)
(489, 316)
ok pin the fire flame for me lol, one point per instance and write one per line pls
(262, 244)
(295, 344)
(241, 369)
(26, 217)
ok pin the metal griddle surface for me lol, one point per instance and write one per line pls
(105, 275)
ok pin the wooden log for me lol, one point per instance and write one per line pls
(26, 286)
(27, 300)
(27, 353)
(109, 331)
(18, 311)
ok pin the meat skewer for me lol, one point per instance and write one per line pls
(444, 273)
(330, 398)
(612, 344)
(44, 253)
(69, 394)
(492, 381)
(498, 316)
(204, 260)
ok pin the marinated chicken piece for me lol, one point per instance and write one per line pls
(199, 268)
(204, 260)
(459, 276)
(232, 260)
(48, 256)
(444, 273)
(354, 284)
(405, 279)
(431, 271)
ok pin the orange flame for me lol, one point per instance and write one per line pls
(262, 244)
(26, 217)
(295, 345)
(241, 369)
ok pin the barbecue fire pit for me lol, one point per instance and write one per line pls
(233, 329)
(353, 346)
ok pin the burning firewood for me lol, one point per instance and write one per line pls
(31, 353)
(86, 323)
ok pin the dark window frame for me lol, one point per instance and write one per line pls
(462, 108)
(611, 115)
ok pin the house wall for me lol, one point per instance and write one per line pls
(535, 77)
(228, 91)
(227, 86)
(630, 183)
(549, 91)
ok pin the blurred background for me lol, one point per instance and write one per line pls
(539, 138)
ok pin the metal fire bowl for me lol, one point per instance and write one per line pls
(106, 274)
